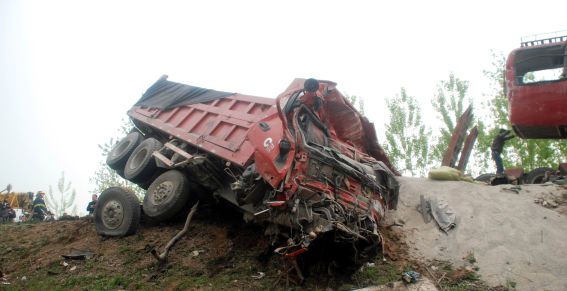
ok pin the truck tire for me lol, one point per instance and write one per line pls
(537, 175)
(166, 196)
(121, 151)
(117, 212)
(141, 164)
(485, 177)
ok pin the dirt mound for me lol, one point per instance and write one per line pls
(218, 252)
(514, 235)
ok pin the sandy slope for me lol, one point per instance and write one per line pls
(511, 237)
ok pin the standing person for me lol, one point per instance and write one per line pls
(39, 210)
(92, 204)
(497, 148)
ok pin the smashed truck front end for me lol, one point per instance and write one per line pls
(325, 169)
(307, 165)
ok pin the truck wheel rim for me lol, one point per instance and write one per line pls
(162, 193)
(112, 214)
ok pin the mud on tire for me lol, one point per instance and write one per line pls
(121, 151)
(141, 164)
(167, 195)
(117, 212)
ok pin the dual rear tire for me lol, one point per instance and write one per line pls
(132, 158)
(120, 152)
(118, 210)
(141, 165)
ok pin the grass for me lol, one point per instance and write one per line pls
(510, 285)
(43, 241)
(381, 273)
(470, 257)
(97, 282)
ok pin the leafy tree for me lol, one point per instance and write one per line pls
(407, 142)
(106, 177)
(448, 102)
(59, 203)
(496, 110)
(359, 106)
(525, 153)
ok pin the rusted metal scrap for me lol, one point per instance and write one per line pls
(457, 139)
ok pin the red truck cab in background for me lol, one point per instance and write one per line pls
(536, 85)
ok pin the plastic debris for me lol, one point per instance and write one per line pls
(259, 276)
(3, 279)
(445, 174)
(548, 203)
(410, 276)
(515, 189)
(439, 210)
(76, 254)
(197, 253)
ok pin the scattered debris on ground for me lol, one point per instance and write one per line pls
(216, 253)
(501, 239)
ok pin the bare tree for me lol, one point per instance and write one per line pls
(59, 203)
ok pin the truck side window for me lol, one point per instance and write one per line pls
(537, 65)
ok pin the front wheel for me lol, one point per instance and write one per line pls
(117, 212)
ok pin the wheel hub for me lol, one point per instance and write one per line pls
(162, 193)
(112, 214)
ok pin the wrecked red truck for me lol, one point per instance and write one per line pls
(306, 165)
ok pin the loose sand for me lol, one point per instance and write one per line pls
(511, 237)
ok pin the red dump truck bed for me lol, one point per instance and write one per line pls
(219, 126)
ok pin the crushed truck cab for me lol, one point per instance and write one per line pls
(307, 164)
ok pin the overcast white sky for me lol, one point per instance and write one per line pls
(69, 70)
